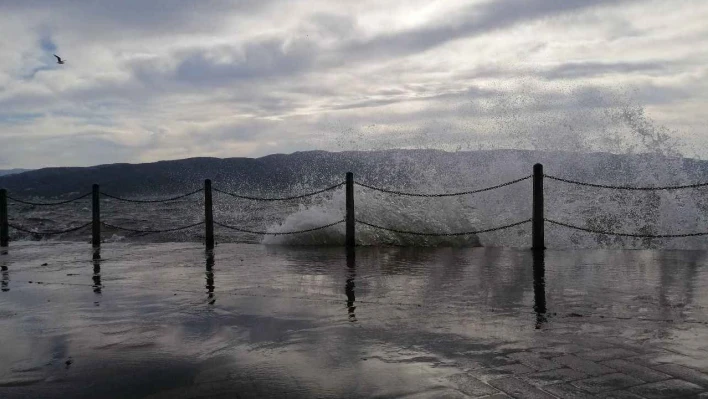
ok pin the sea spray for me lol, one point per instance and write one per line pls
(626, 149)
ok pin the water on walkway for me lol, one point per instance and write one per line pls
(168, 320)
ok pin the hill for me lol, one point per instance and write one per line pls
(393, 168)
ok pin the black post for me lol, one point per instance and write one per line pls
(537, 234)
(208, 215)
(96, 213)
(350, 219)
(4, 228)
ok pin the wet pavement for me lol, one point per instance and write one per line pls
(171, 321)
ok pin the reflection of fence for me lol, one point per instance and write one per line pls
(537, 220)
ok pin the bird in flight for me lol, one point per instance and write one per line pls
(59, 60)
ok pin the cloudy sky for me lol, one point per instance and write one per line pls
(153, 80)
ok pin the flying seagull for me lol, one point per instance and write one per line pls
(59, 60)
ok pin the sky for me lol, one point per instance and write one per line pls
(153, 80)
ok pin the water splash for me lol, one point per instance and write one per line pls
(453, 215)
(611, 142)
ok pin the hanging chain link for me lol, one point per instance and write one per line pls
(384, 190)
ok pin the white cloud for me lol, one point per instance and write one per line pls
(171, 79)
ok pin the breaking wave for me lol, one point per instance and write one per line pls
(633, 151)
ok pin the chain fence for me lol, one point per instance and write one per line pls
(246, 197)
(630, 188)
(49, 233)
(612, 233)
(48, 203)
(395, 192)
(282, 233)
(151, 201)
(508, 226)
(151, 231)
(579, 183)
(372, 225)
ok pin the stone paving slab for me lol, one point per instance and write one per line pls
(534, 361)
(608, 382)
(559, 350)
(471, 386)
(489, 374)
(653, 359)
(433, 393)
(585, 366)
(467, 364)
(610, 372)
(593, 343)
(554, 376)
(667, 389)
(515, 369)
(607, 354)
(472, 362)
(496, 361)
(519, 389)
(619, 395)
(637, 371)
(620, 342)
(567, 391)
(684, 373)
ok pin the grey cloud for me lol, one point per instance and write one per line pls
(256, 60)
(277, 56)
(101, 95)
(47, 44)
(89, 148)
(332, 26)
(275, 87)
(23, 103)
(390, 92)
(470, 94)
(577, 70)
(474, 20)
(245, 130)
(659, 95)
(374, 102)
(108, 17)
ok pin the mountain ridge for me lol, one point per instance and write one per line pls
(317, 168)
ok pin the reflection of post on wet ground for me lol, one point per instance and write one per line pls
(210, 275)
(349, 287)
(678, 276)
(539, 286)
(5, 282)
(97, 270)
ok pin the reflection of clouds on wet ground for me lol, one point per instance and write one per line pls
(324, 322)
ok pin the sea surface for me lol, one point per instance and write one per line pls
(170, 320)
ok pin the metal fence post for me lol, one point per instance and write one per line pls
(96, 216)
(350, 240)
(4, 228)
(537, 233)
(208, 215)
